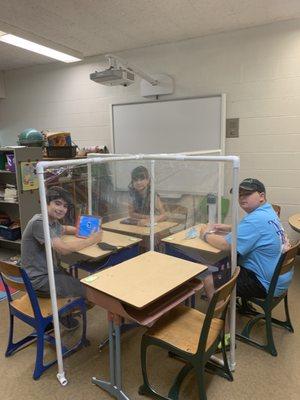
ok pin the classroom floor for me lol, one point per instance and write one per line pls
(257, 376)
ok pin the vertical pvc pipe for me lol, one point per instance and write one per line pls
(222, 153)
(220, 192)
(61, 373)
(234, 211)
(152, 204)
(90, 204)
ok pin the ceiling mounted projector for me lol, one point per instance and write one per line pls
(120, 72)
(113, 76)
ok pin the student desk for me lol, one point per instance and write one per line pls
(127, 247)
(141, 289)
(138, 231)
(197, 250)
(294, 222)
(179, 243)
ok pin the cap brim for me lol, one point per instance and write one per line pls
(244, 189)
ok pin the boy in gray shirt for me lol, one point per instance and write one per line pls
(33, 252)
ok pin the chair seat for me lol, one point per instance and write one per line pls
(181, 328)
(23, 305)
(257, 300)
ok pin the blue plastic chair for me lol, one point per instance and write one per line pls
(36, 312)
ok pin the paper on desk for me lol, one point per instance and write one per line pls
(90, 278)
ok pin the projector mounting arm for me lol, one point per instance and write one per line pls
(114, 61)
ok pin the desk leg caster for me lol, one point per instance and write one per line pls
(86, 343)
(142, 390)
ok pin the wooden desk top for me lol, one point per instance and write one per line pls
(294, 222)
(145, 278)
(180, 239)
(112, 238)
(139, 231)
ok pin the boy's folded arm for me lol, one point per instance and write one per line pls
(77, 244)
(218, 241)
(69, 230)
(222, 227)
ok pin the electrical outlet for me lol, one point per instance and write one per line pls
(232, 127)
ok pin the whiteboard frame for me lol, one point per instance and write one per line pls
(222, 116)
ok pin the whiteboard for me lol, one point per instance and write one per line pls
(170, 126)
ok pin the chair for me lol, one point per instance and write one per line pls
(193, 337)
(284, 265)
(277, 209)
(37, 313)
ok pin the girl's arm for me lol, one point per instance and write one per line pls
(161, 209)
(133, 214)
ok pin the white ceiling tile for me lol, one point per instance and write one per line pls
(100, 26)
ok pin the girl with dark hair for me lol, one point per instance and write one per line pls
(139, 192)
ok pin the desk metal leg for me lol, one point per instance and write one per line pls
(125, 327)
(111, 352)
(114, 387)
(118, 371)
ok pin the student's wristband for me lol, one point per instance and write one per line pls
(205, 235)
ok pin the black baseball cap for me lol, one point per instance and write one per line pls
(251, 185)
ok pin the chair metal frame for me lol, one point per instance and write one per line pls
(201, 360)
(16, 277)
(285, 264)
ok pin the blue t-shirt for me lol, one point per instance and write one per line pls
(260, 239)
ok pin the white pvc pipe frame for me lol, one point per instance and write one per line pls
(42, 165)
(190, 153)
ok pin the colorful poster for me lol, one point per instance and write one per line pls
(29, 176)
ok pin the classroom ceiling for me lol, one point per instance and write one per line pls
(102, 26)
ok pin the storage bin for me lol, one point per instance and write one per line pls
(59, 139)
(61, 151)
(10, 233)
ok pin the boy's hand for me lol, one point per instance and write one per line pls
(221, 227)
(206, 228)
(202, 230)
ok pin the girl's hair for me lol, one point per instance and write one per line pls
(141, 203)
(56, 192)
(139, 172)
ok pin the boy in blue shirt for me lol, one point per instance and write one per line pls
(260, 242)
